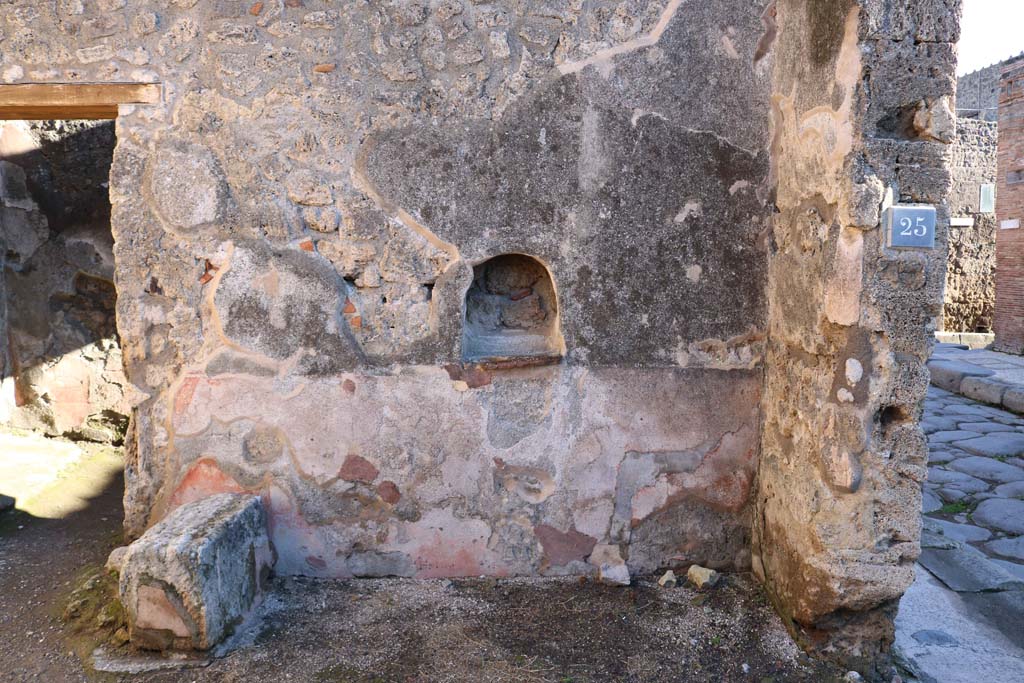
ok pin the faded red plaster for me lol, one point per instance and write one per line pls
(562, 548)
(436, 562)
(185, 394)
(203, 479)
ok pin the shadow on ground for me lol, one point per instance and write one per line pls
(43, 556)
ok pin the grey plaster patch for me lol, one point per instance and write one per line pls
(281, 303)
(188, 186)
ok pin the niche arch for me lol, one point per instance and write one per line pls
(511, 312)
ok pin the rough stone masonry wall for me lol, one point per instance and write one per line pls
(1009, 312)
(861, 118)
(298, 224)
(977, 93)
(63, 373)
(970, 269)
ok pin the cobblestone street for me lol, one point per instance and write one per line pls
(975, 488)
(964, 612)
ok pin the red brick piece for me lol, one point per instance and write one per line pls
(358, 468)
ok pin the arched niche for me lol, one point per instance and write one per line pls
(511, 312)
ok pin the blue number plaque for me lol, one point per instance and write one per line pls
(910, 227)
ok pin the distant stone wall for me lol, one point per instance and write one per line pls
(970, 271)
(977, 93)
(62, 371)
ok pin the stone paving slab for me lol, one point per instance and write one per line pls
(1002, 514)
(966, 570)
(995, 445)
(951, 436)
(971, 645)
(1002, 610)
(973, 535)
(1014, 489)
(1008, 547)
(990, 376)
(957, 532)
(956, 480)
(986, 427)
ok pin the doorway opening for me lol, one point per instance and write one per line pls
(63, 411)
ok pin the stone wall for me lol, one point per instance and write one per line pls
(862, 116)
(970, 271)
(304, 227)
(1009, 310)
(977, 93)
(298, 225)
(62, 362)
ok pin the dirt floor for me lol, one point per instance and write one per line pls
(384, 631)
(68, 518)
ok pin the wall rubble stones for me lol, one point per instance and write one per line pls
(970, 294)
(861, 111)
(62, 369)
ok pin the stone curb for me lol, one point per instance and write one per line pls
(975, 383)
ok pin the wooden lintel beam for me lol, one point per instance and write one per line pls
(35, 101)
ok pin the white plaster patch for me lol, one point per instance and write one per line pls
(640, 113)
(13, 73)
(730, 49)
(691, 208)
(854, 371)
(693, 273)
(738, 185)
(844, 395)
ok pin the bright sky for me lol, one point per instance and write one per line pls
(991, 31)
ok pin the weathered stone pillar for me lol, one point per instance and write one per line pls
(861, 118)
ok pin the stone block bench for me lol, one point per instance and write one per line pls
(191, 579)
